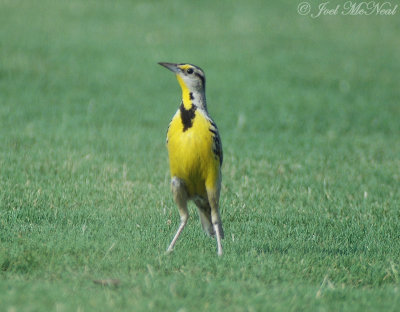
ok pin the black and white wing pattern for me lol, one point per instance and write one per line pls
(217, 144)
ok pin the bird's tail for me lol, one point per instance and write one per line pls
(204, 210)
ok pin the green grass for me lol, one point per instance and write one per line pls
(308, 111)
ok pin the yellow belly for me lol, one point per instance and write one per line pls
(191, 156)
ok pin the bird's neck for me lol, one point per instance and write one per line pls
(191, 97)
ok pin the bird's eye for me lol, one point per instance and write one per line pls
(190, 71)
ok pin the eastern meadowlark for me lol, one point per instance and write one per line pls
(195, 154)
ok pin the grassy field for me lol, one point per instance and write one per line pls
(309, 114)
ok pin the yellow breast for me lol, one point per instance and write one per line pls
(191, 155)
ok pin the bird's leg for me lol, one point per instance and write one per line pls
(213, 198)
(180, 198)
(181, 226)
(218, 235)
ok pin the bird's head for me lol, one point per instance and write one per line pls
(189, 76)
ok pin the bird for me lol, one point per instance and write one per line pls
(195, 154)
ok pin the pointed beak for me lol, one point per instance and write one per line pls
(171, 66)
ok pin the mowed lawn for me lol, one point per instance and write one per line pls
(309, 114)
